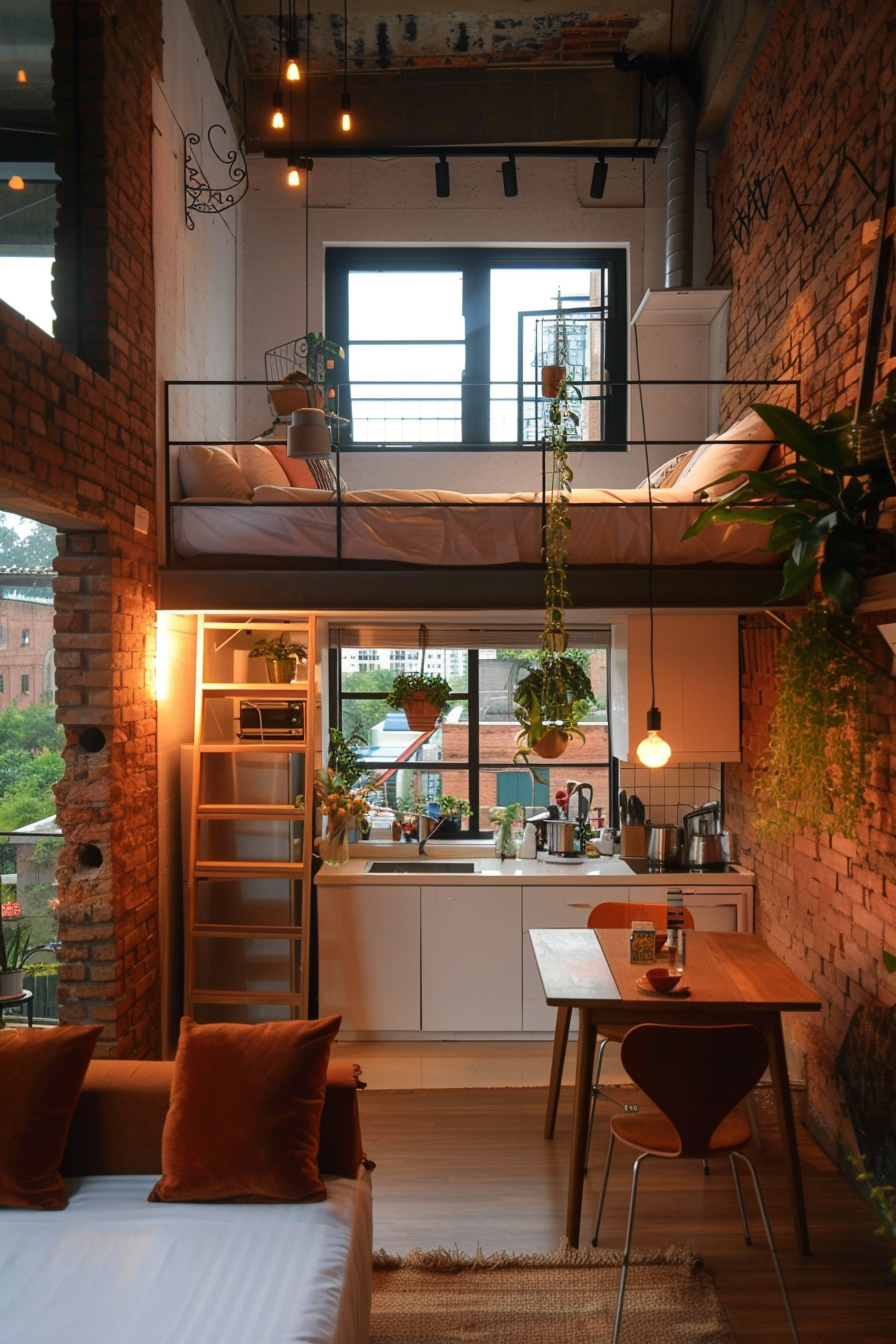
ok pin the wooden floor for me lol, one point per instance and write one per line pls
(467, 1167)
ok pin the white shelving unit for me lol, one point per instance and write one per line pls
(248, 895)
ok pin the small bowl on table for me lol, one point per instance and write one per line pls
(663, 978)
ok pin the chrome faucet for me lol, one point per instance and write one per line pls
(423, 826)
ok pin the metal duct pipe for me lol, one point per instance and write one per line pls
(681, 142)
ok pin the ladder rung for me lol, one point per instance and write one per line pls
(247, 868)
(285, 931)
(261, 690)
(235, 811)
(286, 745)
(244, 996)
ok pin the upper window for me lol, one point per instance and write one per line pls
(26, 637)
(446, 345)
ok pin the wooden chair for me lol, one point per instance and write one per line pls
(608, 915)
(696, 1076)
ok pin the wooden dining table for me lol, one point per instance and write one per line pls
(728, 977)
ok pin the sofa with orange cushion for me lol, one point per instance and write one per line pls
(112, 1266)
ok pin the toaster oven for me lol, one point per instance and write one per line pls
(272, 720)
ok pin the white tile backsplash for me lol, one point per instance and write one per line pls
(668, 793)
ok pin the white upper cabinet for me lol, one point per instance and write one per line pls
(697, 674)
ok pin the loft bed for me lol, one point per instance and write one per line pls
(244, 506)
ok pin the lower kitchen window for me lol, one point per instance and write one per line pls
(469, 755)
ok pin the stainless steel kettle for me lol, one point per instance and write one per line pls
(664, 844)
(703, 842)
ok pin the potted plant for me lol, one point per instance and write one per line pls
(344, 762)
(15, 949)
(343, 806)
(452, 810)
(282, 656)
(555, 693)
(554, 375)
(822, 506)
(423, 696)
(304, 388)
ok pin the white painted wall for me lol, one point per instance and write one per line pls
(393, 202)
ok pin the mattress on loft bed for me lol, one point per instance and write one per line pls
(445, 528)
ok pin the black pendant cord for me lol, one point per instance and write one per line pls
(307, 159)
(649, 516)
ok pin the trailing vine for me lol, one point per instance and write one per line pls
(815, 770)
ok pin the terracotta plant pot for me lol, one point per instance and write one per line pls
(552, 376)
(551, 745)
(421, 714)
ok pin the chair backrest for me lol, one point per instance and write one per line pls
(695, 1075)
(619, 915)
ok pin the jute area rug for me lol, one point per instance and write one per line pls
(568, 1297)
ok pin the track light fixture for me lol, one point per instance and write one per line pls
(443, 179)
(508, 172)
(599, 178)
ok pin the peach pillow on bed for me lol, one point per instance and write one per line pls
(259, 465)
(244, 1121)
(296, 468)
(41, 1073)
(743, 447)
(210, 472)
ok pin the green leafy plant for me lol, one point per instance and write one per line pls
(817, 764)
(555, 694)
(343, 755)
(16, 945)
(450, 806)
(822, 506)
(406, 684)
(278, 648)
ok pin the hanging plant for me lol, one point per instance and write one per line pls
(817, 765)
(423, 697)
(553, 697)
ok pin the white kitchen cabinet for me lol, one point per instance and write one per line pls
(369, 956)
(697, 670)
(554, 907)
(719, 909)
(470, 958)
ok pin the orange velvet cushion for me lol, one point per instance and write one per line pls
(41, 1073)
(244, 1121)
(297, 469)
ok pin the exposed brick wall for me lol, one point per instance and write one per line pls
(823, 87)
(77, 436)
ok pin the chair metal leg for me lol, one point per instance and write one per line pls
(771, 1245)
(558, 1055)
(740, 1201)
(628, 1245)
(603, 1189)
(754, 1123)
(596, 1092)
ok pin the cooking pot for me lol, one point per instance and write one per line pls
(704, 850)
(664, 844)
(561, 837)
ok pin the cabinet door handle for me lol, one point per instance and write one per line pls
(579, 905)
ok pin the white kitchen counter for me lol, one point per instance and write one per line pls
(516, 872)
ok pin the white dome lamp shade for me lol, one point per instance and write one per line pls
(308, 434)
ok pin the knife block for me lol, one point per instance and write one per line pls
(633, 842)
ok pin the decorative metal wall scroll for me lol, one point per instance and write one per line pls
(200, 195)
(756, 203)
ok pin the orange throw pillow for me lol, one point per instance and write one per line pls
(41, 1073)
(244, 1120)
(297, 469)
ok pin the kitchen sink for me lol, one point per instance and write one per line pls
(421, 866)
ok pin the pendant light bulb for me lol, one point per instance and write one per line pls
(653, 750)
(16, 183)
(277, 120)
(293, 176)
(346, 111)
(293, 73)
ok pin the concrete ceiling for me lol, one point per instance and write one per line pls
(482, 79)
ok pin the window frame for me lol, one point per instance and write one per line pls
(473, 765)
(476, 263)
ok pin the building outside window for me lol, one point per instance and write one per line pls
(26, 637)
(26, 684)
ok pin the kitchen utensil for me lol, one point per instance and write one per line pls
(664, 844)
(623, 807)
(561, 838)
(662, 978)
(704, 850)
(529, 845)
(585, 796)
(636, 812)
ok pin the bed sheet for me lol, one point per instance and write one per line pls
(114, 1269)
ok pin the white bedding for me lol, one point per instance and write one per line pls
(115, 1269)
(609, 527)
